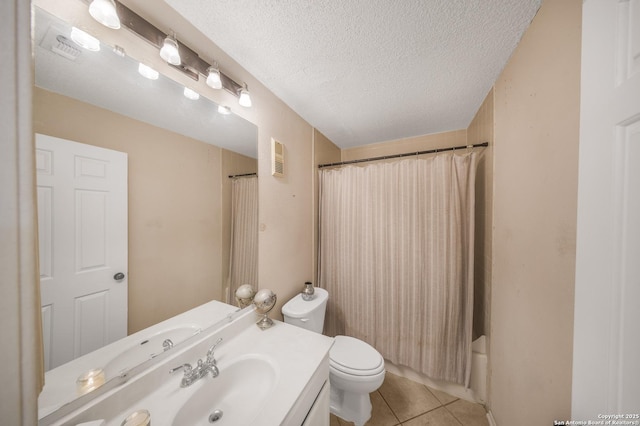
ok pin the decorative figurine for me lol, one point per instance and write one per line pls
(264, 301)
(244, 295)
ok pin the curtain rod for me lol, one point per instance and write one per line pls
(408, 154)
(243, 175)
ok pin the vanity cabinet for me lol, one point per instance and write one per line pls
(319, 413)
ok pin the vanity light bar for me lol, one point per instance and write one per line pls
(191, 64)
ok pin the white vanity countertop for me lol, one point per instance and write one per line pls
(299, 357)
(60, 382)
(303, 362)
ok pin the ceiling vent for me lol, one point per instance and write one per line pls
(65, 47)
(55, 41)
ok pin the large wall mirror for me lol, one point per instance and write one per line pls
(181, 153)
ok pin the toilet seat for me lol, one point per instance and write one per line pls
(355, 357)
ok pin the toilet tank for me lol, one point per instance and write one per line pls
(307, 314)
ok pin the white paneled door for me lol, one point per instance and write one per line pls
(82, 227)
(606, 361)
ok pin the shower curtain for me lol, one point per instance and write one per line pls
(243, 258)
(396, 256)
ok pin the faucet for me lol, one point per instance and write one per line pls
(192, 375)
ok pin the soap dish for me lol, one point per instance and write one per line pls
(138, 418)
(90, 380)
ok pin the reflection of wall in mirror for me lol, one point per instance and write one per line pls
(178, 247)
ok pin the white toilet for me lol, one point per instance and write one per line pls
(355, 368)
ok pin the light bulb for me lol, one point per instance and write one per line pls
(213, 78)
(224, 110)
(85, 40)
(169, 51)
(245, 99)
(148, 72)
(104, 11)
(190, 94)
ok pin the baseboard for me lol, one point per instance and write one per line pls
(492, 421)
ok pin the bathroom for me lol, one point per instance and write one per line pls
(528, 221)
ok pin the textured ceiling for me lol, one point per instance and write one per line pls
(365, 71)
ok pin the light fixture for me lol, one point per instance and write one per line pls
(213, 77)
(113, 13)
(148, 72)
(224, 110)
(104, 11)
(244, 99)
(169, 51)
(191, 94)
(85, 40)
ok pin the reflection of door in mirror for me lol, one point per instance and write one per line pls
(82, 221)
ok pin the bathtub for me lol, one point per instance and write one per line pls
(477, 391)
(479, 369)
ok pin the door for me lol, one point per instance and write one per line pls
(606, 364)
(82, 227)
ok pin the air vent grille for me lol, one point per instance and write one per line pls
(65, 47)
(277, 158)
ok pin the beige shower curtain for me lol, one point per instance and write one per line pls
(396, 256)
(243, 259)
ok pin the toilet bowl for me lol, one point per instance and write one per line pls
(355, 368)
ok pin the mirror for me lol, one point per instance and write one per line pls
(181, 153)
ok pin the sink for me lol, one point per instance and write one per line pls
(266, 378)
(235, 397)
(147, 348)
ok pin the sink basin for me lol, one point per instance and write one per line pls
(235, 397)
(147, 348)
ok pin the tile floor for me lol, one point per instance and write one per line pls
(400, 401)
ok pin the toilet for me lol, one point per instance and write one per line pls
(355, 368)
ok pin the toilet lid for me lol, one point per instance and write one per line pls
(353, 356)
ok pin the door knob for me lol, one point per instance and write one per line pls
(119, 276)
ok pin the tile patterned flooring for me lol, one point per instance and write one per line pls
(402, 402)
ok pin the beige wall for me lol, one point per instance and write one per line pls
(286, 216)
(481, 130)
(534, 217)
(401, 146)
(176, 244)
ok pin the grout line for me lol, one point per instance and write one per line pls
(389, 407)
(428, 411)
(434, 409)
(454, 416)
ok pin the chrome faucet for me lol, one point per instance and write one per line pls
(192, 375)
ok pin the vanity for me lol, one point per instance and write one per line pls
(278, 376)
